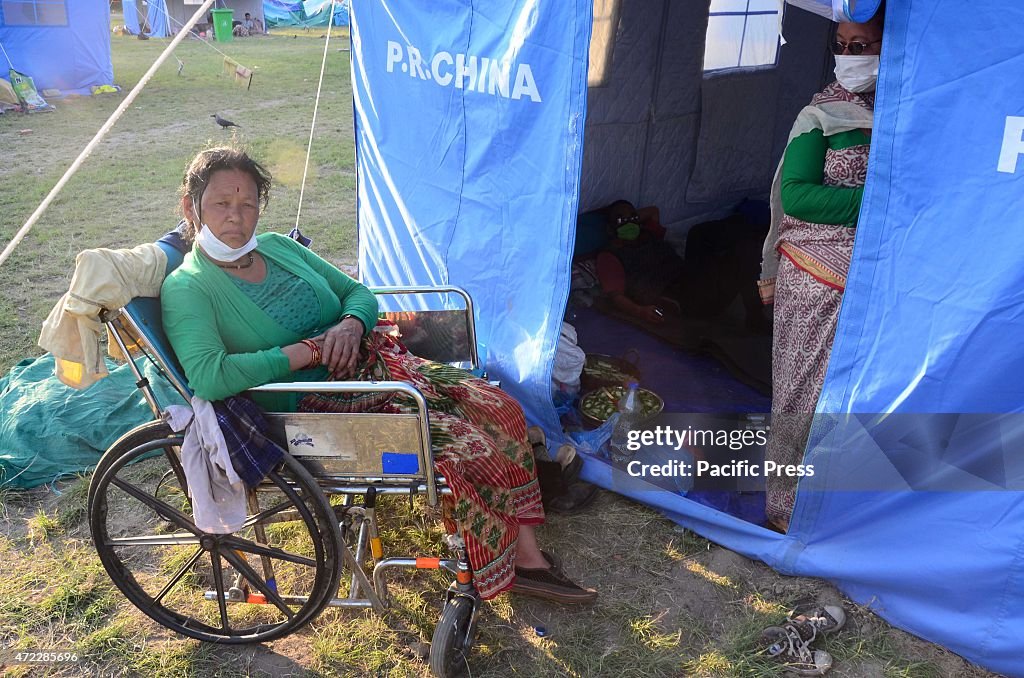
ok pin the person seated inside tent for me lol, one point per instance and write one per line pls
(243, 310)
(815, 205)
(643, 277)
(632, 262)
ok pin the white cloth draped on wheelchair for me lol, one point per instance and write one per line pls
(217, 493)
(103, 279)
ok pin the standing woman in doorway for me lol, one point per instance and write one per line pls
(816, 200)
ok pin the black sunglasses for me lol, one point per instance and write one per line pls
(855, 48)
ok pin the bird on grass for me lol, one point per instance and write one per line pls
(224, 123)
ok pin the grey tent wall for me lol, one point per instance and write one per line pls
(661, 133)
(180, 12)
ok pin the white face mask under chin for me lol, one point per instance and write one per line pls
(857, 73)
(217, 249)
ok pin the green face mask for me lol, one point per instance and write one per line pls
(628, 231)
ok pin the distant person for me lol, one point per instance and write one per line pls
(248, 27)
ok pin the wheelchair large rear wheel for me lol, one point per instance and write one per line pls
(266, 580)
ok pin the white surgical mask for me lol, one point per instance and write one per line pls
(217, 249)
(857, 73)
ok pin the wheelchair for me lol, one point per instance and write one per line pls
(297, 552)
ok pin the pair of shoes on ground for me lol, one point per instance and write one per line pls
(551, 583)
(789, 644)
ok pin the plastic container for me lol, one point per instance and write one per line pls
(629, 419)
(222, 19)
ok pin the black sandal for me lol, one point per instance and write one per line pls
(551, 583)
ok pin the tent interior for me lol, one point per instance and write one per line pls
(689, 110)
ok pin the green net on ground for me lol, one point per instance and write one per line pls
(48, 429)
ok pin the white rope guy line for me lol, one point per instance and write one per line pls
(20, 235)
(316, 106)
(206, 42)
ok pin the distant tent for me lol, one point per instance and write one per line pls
(306, 14)
(62, 45)
(156, 25)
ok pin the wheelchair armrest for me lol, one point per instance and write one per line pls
(348, 387)
(474, 357)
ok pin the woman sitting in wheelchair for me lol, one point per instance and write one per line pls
(242, 311)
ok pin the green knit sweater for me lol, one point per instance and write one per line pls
(226, 343)
(804, 194)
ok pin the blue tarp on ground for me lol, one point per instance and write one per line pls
(304, 13)
(50, 430)
(478, 183)
(73, 56)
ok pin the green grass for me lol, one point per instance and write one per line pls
(126, 191)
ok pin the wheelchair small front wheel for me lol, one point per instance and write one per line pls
(453, 638)
(262, 582)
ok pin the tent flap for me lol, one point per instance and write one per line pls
(487, 200)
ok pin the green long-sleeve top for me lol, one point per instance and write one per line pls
(804, 196)
(227, 344)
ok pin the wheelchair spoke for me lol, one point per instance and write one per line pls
(178, 539)
(263, 515)
(168, 512)
(177, 577)
(253, 578)
(218, 581)
(179, 472)
(262, 550)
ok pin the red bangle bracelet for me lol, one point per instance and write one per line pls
(316, 353)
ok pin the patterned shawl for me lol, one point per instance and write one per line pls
(820, 249)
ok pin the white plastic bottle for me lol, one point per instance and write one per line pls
(629, 418)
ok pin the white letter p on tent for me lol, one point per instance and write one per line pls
(1013, 144)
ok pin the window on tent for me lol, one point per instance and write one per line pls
(33, 13)
(742, 34)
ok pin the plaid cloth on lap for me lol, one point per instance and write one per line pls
(252, 453)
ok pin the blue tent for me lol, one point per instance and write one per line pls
(304, 13)
(62, 45)
(915, 513)
(156, 21)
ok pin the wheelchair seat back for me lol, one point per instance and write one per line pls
(146, 322)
